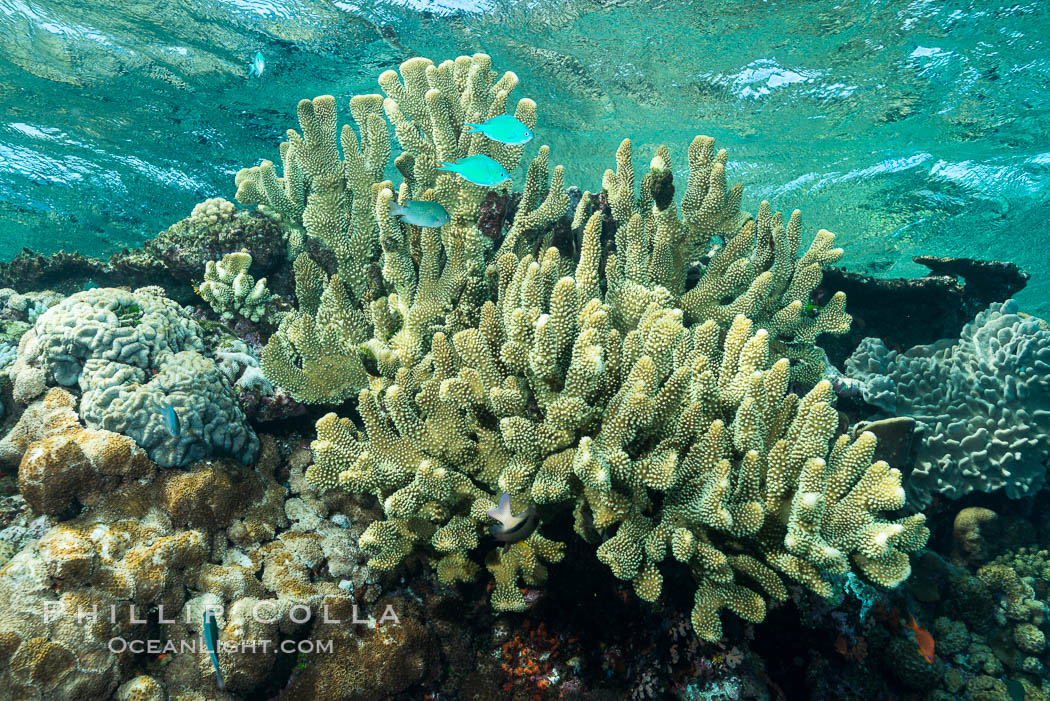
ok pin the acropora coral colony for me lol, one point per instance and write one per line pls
(563, 358)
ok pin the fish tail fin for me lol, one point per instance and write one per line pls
(445, 166)
(396, 209)
(470, 128)
(911, 623)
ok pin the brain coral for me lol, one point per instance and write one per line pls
(133, 354)
(983, 399)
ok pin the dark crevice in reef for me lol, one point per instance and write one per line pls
(907, 312)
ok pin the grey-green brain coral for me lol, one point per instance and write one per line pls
(133, 353)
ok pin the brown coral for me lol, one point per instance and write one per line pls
(68, 462)
(367, 663)
(970, 536)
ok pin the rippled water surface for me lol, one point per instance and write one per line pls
(905, 127)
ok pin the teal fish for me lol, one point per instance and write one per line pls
(479, 169)
(421, 213)
(171, 420)
(211, 640)
(512, 528)
(504, 129)
(257, 66)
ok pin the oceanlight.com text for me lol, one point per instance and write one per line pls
(193, 646)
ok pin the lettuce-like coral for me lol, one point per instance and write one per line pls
(575, 364)
(983, 401)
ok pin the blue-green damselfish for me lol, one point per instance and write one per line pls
(211, 640)
(421, 213)
(479, 169)
(171, 420)
(504, 129)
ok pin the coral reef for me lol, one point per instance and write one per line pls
(212, 230)
(172, 541)
(133, 354)
(172, 260)
(661, 414)
(982, 400)
(637, 372)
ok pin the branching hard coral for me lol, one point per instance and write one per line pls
(429, 106)
(231, 291)
(756, 272)
(314, 352)
(568, 368)
(424, 275)
(659, 431)
(330, 198)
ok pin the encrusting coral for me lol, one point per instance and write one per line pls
(574, 367)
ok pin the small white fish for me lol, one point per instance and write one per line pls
(257, 66)
(512, 528)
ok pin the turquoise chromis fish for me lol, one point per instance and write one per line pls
(171, 420)
(512, 528)
(421, 213)
(211, 640)
(257, 66)
(479, 169)
(504, 129)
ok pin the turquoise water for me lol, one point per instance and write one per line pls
(572, 474)
(904, 127)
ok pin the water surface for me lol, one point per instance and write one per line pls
(905, 127)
